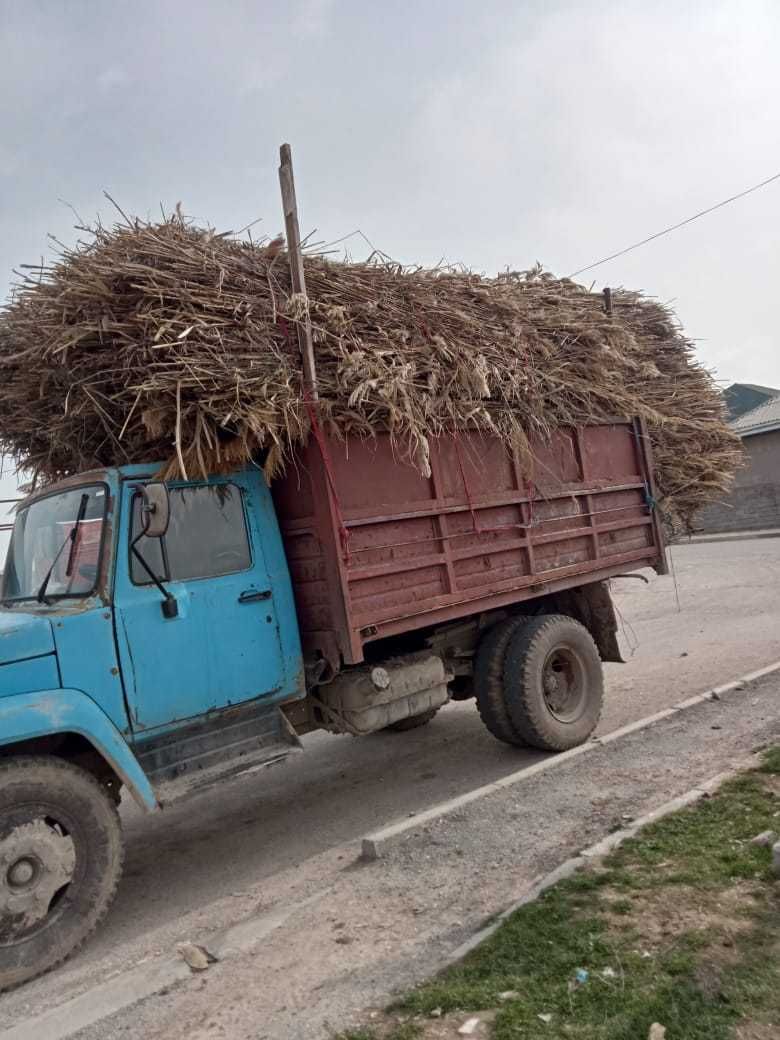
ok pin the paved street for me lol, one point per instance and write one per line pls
(342, 787)
(209, 862)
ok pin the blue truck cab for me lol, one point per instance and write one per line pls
(147, 639)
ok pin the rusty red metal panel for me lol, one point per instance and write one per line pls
(376, 548)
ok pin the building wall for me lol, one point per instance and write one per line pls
(754, 501)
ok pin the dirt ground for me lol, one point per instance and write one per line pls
(378, 928)
(241, 850)
(343, 787)
(679, 926)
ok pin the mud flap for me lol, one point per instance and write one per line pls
(592, 605)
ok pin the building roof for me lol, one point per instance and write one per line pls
(770, 391)
(763, 419)
(743, 397)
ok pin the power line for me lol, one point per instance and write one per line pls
(674, 227)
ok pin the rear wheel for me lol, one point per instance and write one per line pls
(489, 680)
(553, 682)
(60, 862)
(412, 721)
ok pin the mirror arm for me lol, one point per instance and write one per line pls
(170, 607)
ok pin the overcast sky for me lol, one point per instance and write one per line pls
(495, 133)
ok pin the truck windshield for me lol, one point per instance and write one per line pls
(61, 533)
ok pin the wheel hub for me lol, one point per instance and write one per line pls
(551, 683)
(36, 861)
(22, 873)
(563, 685)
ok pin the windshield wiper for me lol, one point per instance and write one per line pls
(41, 597)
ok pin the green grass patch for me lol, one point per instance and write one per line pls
(680, 925)
(771, 762)
(703, 845)
(397, 1031)
(621, 906)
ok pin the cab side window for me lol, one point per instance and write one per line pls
(206, 537)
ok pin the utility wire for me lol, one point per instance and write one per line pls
(674, 227)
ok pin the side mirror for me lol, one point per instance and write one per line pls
(155, 509)
(155, 514)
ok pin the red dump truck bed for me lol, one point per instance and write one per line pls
(376, 549)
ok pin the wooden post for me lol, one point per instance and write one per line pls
(608, 301)
(290, 207)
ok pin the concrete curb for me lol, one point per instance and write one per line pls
(741, 536)
(375, 844)
(592, 854)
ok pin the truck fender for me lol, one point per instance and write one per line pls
(26, 716)
(592, 605)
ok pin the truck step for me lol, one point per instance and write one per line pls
(245, 738)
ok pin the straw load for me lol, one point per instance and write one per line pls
(166, 341)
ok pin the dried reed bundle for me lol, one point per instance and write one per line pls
(167, 341)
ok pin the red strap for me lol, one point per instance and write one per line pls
(322, 444)
(472, 510)
(531, 490)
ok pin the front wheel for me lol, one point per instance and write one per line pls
(553, 683)
(60, 863)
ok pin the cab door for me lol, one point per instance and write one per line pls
(223, 646)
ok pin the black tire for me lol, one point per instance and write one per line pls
(58, 821)
(412, 721)
(553, 682)
(489, 680)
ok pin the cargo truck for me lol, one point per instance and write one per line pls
(158, 638)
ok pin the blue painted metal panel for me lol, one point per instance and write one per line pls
(88, 660)
(80, 629)
(39, 714)
(218, 651)
(36, 673)
(24, 635)
(261, 503)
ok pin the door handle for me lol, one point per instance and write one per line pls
(253, 595)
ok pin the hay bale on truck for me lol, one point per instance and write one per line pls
(173, 342)
(442, 521)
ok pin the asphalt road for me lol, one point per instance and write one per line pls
(342, 787)
(376, 929)
(224, 843)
